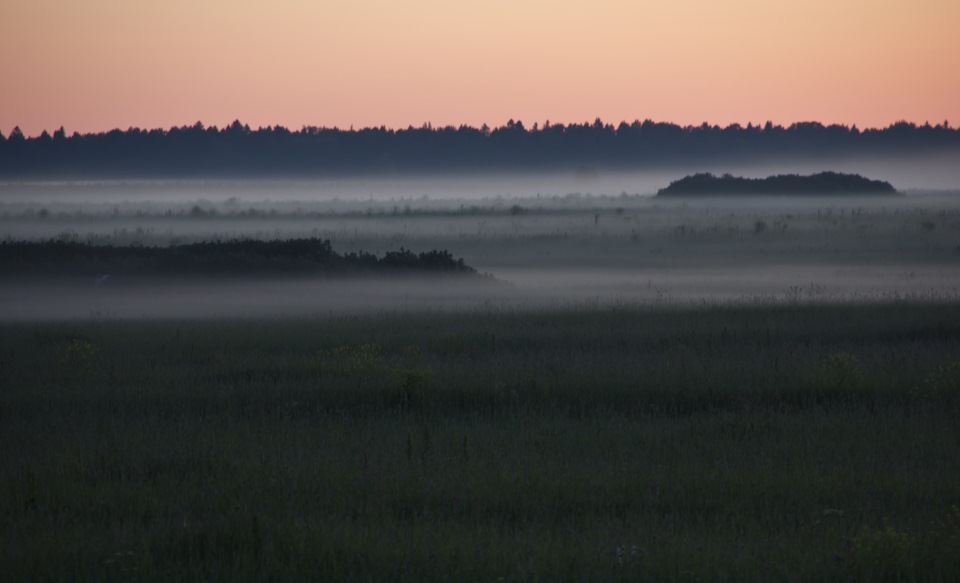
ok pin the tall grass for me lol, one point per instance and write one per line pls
(784, 442)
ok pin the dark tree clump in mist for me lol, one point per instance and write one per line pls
(820, 183)
(212, 258)
(239, 151)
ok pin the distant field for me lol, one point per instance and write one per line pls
(788, 442)
(554, 250)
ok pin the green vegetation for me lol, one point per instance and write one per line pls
(236, 257)
(821, 183)
(787, 442)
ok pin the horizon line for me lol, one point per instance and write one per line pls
(535, 126)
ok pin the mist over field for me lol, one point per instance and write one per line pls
(580, 238)
(937, 171)
(487, 292)
(613, 384)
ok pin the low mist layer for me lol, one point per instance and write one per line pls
(547, 250)
(516, 289)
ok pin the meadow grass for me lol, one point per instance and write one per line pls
(788, 442)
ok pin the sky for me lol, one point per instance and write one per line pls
(95, 65)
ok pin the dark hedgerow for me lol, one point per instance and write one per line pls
(236, 257)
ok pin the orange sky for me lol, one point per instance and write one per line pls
(94, 65)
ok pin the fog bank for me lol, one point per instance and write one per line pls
(517, 289)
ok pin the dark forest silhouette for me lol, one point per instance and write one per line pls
(238, 151)
(210, 258)
(820, 183)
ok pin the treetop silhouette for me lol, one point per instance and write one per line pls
(239, 151)
(822, 183)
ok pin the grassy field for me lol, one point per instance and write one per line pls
(786, 442)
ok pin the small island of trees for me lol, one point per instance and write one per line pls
(822, 183)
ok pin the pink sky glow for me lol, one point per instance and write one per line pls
(103, 64)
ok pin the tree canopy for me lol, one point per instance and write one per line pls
(217, 258)
(239, 151)
(820, 183)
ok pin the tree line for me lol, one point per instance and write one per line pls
(310, 256)
(239, 151)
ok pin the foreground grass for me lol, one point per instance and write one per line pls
(789, 442)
